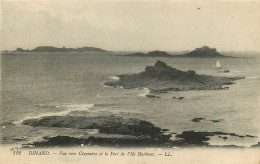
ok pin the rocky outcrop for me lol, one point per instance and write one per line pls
(133, 131)
(162, 78)
(105, 124)
(152, 96)
(67, 141)
(192, 138)
(185, 139)
(256, 145)
(197, 119)
(119, 131)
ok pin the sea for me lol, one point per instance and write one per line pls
(34, 85)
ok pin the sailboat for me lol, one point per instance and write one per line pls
(217, 65)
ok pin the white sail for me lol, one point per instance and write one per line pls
(218, 65)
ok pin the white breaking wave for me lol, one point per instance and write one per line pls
(114, 77)
(47, 106)
(107, 86)
(253, 77)
(237, 71)
(68, 109)
(146, 91)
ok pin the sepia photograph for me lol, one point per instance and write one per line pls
(135, 77)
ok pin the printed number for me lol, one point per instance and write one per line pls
(18, 152)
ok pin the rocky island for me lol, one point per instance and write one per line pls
(63, 49)
(162, 78)
(151, 54)
(203, 52)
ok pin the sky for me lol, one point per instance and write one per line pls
(131, 25)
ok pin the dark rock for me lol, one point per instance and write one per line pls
(179, 98)
(197, 119)
(227, 146)
(152, 96)
(134, 132)
(63, 141)
(224, 138)
(165, 130)
(105, 124)
(160, 64)
(162, 78)
(199, 138)
(194, 138)
(256, 145)
(219, 120)
(66, 141)
(186, 139)
(250, 136)
(191, 73)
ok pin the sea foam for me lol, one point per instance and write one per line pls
(114, 77)
(145, 92)
(253, 77)
(68, 109)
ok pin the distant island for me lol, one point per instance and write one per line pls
(63, 49)
(162, 78)
(151, 54)
(203, 52)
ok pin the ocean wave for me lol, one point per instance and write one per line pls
(107, 86)
(68, 109)
(47, 106)
(114, 77)
(237, 71)
(253, 77)
(145, 92)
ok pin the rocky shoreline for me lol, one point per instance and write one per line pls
(105, 124)
(132, 132)
(162, 78)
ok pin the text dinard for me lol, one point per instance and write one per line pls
(90, 153)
